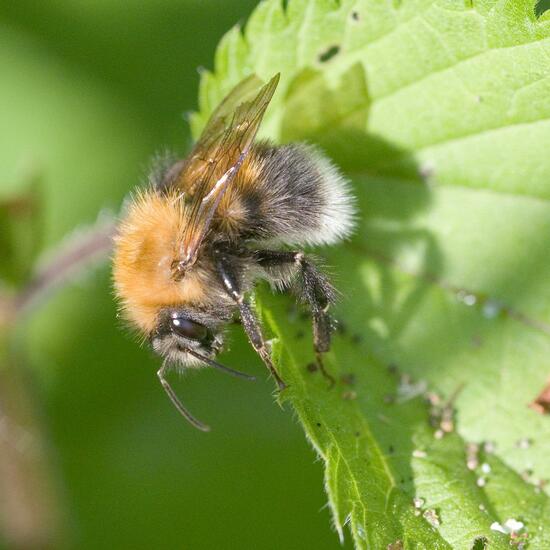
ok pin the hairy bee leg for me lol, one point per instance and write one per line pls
(249, 320)
(252, 327)
(316, 290)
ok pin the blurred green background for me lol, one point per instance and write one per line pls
(89, 92)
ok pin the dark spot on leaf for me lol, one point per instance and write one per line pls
(391, 450)
(356, 339)
(300, 334)
(329, 53)
(348, 379)
(392, 368)
(397, 545)
(480, 543)
(355, 15)
(318, 424)
(402, 480)
(357, 434)
(312, 367)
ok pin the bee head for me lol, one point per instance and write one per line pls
(186, 337)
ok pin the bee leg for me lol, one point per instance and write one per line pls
(316, 290)
(249, 320)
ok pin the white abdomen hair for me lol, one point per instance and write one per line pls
(305, 199)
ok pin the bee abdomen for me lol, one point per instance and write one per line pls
(299, 197)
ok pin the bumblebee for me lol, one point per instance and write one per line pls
(192, 245)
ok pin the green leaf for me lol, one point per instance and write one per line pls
(438, 110)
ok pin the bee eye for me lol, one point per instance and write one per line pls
(188, 329)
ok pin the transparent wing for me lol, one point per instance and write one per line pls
(217, 157)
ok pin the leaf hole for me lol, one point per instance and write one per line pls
(329, 53)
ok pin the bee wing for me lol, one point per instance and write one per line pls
(245, 90)
(217, 157)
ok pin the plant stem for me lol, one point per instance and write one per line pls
(68, 260)
(30, 507)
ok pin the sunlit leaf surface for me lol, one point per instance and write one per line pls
(439, 111)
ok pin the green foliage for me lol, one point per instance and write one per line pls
(20, 228)
(439, 112)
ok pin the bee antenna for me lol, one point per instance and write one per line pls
(177, 403)
(221, 367)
